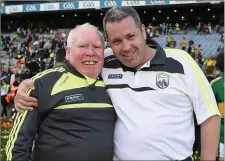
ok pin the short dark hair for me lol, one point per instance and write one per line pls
(220, 61)
(17, 75)
(116, 14)
(60, 55)
(209, 69)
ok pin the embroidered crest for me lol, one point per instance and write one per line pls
(162, 80)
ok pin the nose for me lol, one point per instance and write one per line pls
(126, 46)
(90, 51)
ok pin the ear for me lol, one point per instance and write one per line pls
(67, 53)
(143, 31)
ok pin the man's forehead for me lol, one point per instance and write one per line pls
(86, 31)
(123, 33)
(124, 26)
(87, 40)
(82, 37)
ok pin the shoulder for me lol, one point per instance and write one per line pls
(216, 81)
(177, 53)
(49, 76)
(182, 56)
(191, 69)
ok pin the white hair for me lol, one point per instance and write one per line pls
(73, 33)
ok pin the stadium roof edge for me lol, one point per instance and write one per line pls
(97, 4)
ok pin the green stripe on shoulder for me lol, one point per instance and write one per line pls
(215, 80)
(69, 81)
(41, 74)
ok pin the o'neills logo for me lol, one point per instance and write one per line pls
(115, 76)
(73, 98)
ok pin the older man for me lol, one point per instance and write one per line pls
(75, 118)
(154, 92)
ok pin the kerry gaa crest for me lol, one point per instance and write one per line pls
(162, 80)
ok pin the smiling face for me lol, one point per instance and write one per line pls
(87, 52)
(128, 42)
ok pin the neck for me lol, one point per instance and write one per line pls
(92, 77)
(148, 56)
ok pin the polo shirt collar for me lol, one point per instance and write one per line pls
(72, 70)
(146, 65)
(68, 66)
(158, 59)
(160, 56)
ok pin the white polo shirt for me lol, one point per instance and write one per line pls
(155, 105)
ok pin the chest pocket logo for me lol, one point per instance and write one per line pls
(73, 98)
(162, 80)
(115, 76)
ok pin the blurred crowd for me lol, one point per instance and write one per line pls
(166, 29)
(32, 52)
(172, 29)
(197, 53)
